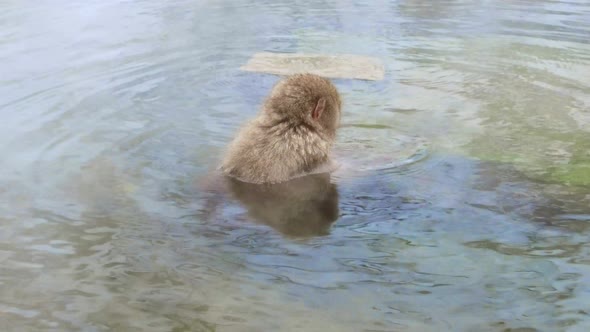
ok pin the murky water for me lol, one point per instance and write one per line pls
(112, 112)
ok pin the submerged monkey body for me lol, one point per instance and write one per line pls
(292, 135)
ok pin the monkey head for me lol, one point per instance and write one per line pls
(308, 100)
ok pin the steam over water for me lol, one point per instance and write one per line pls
(469, 209)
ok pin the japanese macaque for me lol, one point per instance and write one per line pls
(302, 207)
(292, 135)
(278, 166)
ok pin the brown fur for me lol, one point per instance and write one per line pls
(285, 140)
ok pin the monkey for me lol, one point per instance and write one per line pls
(305, 206)
(278, 165)
(291, 136)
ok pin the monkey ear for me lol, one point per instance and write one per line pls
(319, 109)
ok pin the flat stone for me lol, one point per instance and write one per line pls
(331, 66)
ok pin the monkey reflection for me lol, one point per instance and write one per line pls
(302, 207)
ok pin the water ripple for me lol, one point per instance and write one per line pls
(463, 193)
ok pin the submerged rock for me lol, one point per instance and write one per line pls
(332, 66)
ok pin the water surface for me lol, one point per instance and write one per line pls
(112, 112)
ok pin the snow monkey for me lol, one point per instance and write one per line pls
(292, 134)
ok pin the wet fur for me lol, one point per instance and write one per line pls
(285, 141)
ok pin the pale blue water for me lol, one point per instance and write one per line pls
(111, 112)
